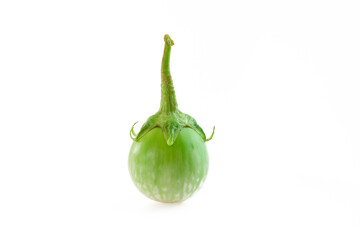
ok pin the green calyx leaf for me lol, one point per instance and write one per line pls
(171, 125)
(169, 118)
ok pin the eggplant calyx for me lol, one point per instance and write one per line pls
(169, 118)
(171, 124)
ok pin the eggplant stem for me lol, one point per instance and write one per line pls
(168, 101)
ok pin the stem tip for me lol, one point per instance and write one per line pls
(168, 40)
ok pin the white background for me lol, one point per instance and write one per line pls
(279, 79)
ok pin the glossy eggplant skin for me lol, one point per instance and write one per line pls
(169, 173)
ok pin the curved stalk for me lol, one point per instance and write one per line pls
(168, 102)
